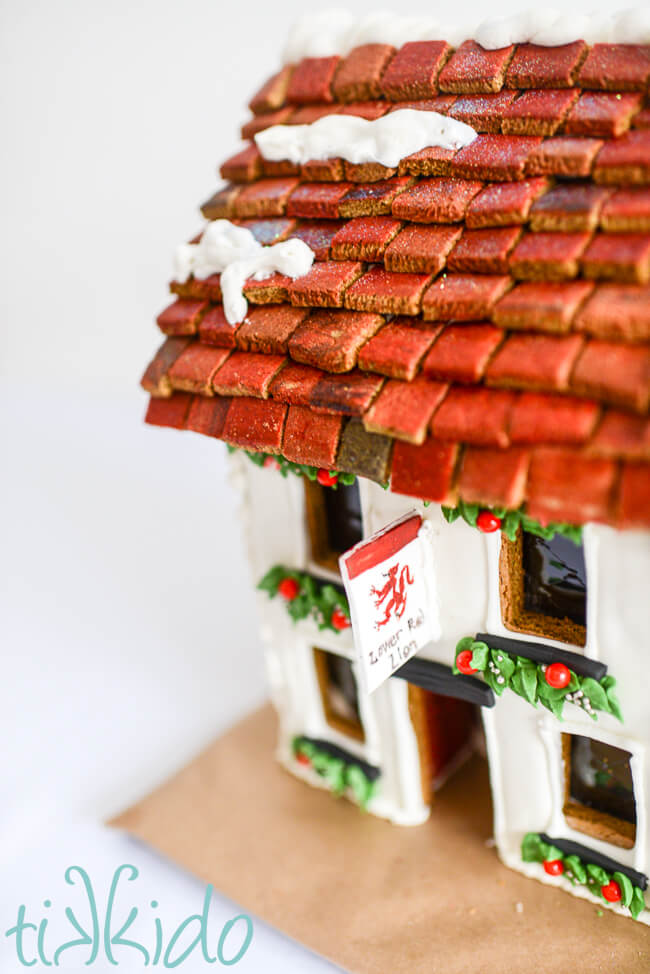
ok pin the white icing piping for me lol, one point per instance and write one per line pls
(386, 140)
(234, 253)
(338, 31)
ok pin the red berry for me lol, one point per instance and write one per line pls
(288, 589)
(326, 479)
(464, 662)
(488, 522)
(558, 676)
(271, 462)
(302, 758)
(339, 620)
(554, 867)
(611, 892)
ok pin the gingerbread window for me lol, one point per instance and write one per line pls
(339, 693)
(543, 585)
(599, 790)
(333, 521)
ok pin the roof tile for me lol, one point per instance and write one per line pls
(432, 161)
(564, 486)
(398, 348)
(194, 369)
(325, 284)
(350, 393)
(617, 374)
(266, 197)
(534, 66)
(625, 160)
(538, 112)
(548, 256)
(364, 454)
(568, 207)
(462, 352)
(155, 380)
(484, 251)
(207, 415)
(495, 157)
(311, 438)
(273, 93)
(621, 434)
(318, 234)
(243, 167)
(220, 205)
(255, 424)
(367, 172)
(483, 112)
(387, 292)
(541, 306)
(267, 329)
(413, 72)
(617, 312)
(330, 340)
(369, 110)
(182, 317)
(621, 257)
(473, 68)
(215, 329)
(307, 114)
(535, 361)
(206, 290)
(473, 414)
(504, 204)
(364, 238)
(403, 409)
(602, 113)
(633, 507)
(322, 171)
(295, 384)
(539, 417)
(270, 290)
(563, 155)
(421, 249)
(169, 412)
(317, 201)
(280, 167)
(264, 121)
(628, 210)
(616, 67)
(311, 80)
(494, 477)
(425, 471)
(247, 374)
(466, 297)
(357, 78)
(269, 230)
(373, 199)
(436, 200)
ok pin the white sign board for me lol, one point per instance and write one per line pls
(389, 582)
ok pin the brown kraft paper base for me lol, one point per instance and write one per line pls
(373, 897)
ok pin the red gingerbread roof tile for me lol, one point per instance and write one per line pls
(311, 80)
(432, 161)
(155, 380)
(311, 438)
(466, 297)
(473, 414)
(207, 416)
(462, 352)
(602, 113)
(541, 306)
(616, 313)
(627, 210)
(621, 434)
(548, 256)
(247, 374)
(387, 292)
(244, 167)
(621, 257)
(616, 67)
(269, 230)
(538, 417)
(215, 329)
(425, 471)
(494, 477)
(484, 251)
(398, 348)
(267, 329)
(568, 207)
(534, 66)
(270, 290)
(220, 205)
(255, 424)
(325, 284)
(264, 121)
(357, 78)
(295, 384)
(553, 496)
(403, 409)
(206, 290)
(367, 172)
(331, 340)
(364, 238)
(503, 204)
(322, 170)
(169, 412)
(351, 393)
(535, 362)
(624, 160)
(563, 155)
(195, 367)
(617, 374)
(182, 317)
(273, 93)
(421, 249)
(373, 199)
(413, 72)
(538, 112)
(318, 234)
(633, 496)
(266, 197)
(306, 114)
(317, 201)
(495, 157)
(365, 109)
(483, 112)
(436, 201)
(473, 68)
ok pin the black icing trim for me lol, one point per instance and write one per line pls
(546, 654)
(441, 679)
(370, 771)
(596, 858)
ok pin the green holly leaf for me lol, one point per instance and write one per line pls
(335, 775)
(347, 478)
(492, 680)
(532, 848)
(577, 870)
(469, 512)
(450, 514)
(527, 671)
(360, 785)
(552, 852)
(503, 661)
(269, 583)
(510, 524)
(516, 684)
(627, 888)
(598, 874)
(598, 697)
(637, 903)
(480, 653)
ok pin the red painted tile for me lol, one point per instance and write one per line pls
(617, 312)
(403, 409)
(439, 103)
(484, 251)
(214, 329)
(564, 486)
(260, 122)
(541, 306)
(317, 201)
(627, 209)
(373, 199)
(503, 204)
(295, 384)
(267, 329)
(616, 374)
(330, 340)
(357, 78)
(387, 293)
(322, 171)
(207, 290)
(466, 297)
(270, 290)
(272, 94)
(642, 119)
(364, 238)
(548, 256)
(494, 477)
(625, 160)
(351, 393)
(398, 348)
(621, 434)
(169, 412)
(182, 317)
(318, 234)
(538, 112)
(535, 361)
(602, 113)
(618, 256)
(266, 197)
(367, 172)
(616, 67)
(436, 200)
(194, 369)
(472, 414)
(155, 380)
(432, 161)
(425, 471)
(370, 110)
(247, 374)
(207, 415)
(462, 352)
(311, 80)
(325, 284)
(421, 249)
(243, 167)
(307, 114)
(255, 424)
(311, 438)
(633, 507)
(563, 156)
(474, 68)
(482, 112)
(568, 207)
(269, 230)
(495, 157)
(220, 204)
(539, 417)
(534, 66)
(414, 70)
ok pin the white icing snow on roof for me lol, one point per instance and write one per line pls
(338, 31)
(234, 253)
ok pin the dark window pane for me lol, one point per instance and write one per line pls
(554, 577)
(342, 690)
(601, 778)
(343, 513)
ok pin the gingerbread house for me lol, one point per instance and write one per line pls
(420, 309)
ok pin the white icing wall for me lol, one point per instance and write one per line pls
(523, 743)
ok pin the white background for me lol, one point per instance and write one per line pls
(127, 615)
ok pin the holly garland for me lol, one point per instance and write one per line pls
(489, 519)
(338, 774)
(306, 596)
(613, 887)
(326, 478)
(550, 684)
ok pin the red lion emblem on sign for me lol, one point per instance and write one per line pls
(395, 591)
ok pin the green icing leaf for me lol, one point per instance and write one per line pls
(510, 524)
(480, 653)
(598, 874)
(469, 513)
(269, 583)
(527, 671)
(627, 888)
(637, 903)
(503, 661)
(578, 872)
(598, 697)
(532, 847)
